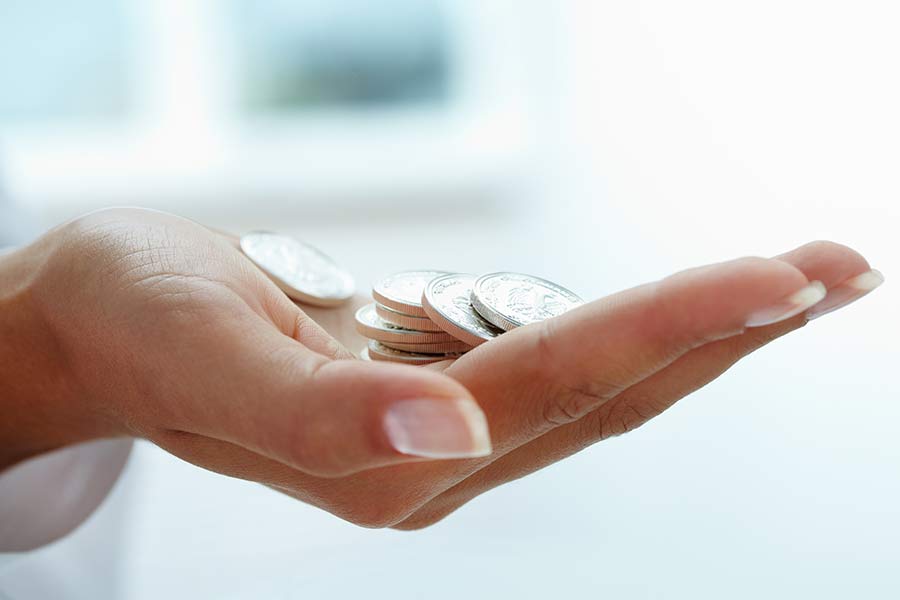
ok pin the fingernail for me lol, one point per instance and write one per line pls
(788, 306)
(438, 428)
(846, 293)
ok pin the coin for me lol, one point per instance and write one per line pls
(510, 300)
(403, 291)
(378, 351)
(301, 271)
(431, 347)
(447, 301)
(406, 321)
(370, 325)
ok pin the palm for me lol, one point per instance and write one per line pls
(340, 322)
(230, 375)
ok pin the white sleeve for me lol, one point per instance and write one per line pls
(43, 499)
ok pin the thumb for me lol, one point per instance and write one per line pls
(335, 417)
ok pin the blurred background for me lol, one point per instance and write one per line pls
(597, 143)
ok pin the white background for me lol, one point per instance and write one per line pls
(672, 134)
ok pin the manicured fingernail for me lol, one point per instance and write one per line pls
(846, 293)
(438, 428)
(788, 306)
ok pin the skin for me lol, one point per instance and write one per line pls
(137, 323)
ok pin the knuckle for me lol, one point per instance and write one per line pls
(569, 398)
(569, 404)
(560, 410)
(624, 416)
(100, 220)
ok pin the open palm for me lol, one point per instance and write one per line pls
(176, 337)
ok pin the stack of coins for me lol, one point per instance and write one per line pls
(418, 317)
(421, 317)
(399, 329)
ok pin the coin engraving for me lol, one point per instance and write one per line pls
(447, 300)
(510, 300)
(302, 271)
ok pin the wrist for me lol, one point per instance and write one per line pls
(41, 404)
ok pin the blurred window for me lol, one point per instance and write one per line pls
(154, 101)
(299, 54)
(63, 59)
(72, 59)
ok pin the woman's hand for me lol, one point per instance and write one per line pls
(606, 368)
(158, 328)
(555, 388)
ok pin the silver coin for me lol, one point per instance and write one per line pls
(378, 351)
(301, 271)
(430, 347)
(405, 321)
(403, 291)
(370, 325)
(447, 302)
(510, 300)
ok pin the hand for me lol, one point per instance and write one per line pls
(617, 363)
(144, 324)
(160, 329)
(554, 389)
